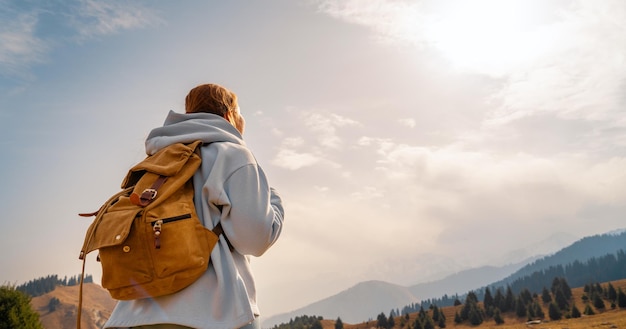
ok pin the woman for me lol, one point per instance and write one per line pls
(230, 188)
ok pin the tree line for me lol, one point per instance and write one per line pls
(307, 322)
(526, 305)
(520, 296)
(607, 268)
(424, 320)
(44, 285)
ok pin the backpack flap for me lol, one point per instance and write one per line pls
(112, 224)
(166, 162)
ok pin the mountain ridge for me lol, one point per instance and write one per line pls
(430, 288)
(356, 304)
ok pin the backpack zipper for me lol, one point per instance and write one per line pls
(156, 227)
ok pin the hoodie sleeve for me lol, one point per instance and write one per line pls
(253, 221)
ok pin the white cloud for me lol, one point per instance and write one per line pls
(368, 193)
(20, 46)
(390, 20)
(581, 76)
(27, 39)
(292, 160)
(276, 132)
(567, 58)
(326, 125)
(94, 18)
(293, 142)
(409, 122)
(322, 189)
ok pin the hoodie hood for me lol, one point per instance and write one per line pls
(189, 127)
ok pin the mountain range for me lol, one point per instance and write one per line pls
(367, 299)
(359, 303)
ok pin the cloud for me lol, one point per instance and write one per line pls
(581, 76)
(94, 18)
(391, 21)
(312, 138)
(325, 126)
(293, 160)
(20, 46)
(563, 57)
(29, 31)
(368, 193)
(409, 122)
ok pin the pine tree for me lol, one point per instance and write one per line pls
(545, 295)
(475, 318)
(497, 316)
(498, 299)
(442, 321)
(611, 293)
(566, 288)
(598, 303)
(391, 322)
(554, 312)
(422, 313)
(381, 321)
(488, 299)
(575, 313)
(520, 308)
(417, 324)
(53, 303)
(428, 323)
(16, 311)
(509, 300)
(588, 310)
(317, 324)
(526, 296)
(435, 313)
(457, 318)
(561, 299)
(338, 324)
(538, 310)
(621, 298)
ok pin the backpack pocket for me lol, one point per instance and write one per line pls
(180, 244)
(126, 263)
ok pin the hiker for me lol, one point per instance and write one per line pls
(231, 188)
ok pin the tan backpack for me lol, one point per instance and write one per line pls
(150, 240)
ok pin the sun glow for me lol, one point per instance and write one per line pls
(489, 36)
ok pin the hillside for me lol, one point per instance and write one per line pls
(366, 299)
(97, 307)
(354, 303)
(609, 318)
(463, 281)
(352, 306)
(581, 250)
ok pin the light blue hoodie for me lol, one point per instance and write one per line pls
(251, 216)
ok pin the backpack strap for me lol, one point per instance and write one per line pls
(148, 195)
(218, 230)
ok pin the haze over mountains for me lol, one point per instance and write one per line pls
(367, 299)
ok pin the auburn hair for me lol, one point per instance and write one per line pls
(210, 98)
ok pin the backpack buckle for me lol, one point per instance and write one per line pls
(148, 195)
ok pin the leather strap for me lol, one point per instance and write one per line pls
(148, 195)
(218, 230)
(80, 295)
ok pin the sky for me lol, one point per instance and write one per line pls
(408, 139)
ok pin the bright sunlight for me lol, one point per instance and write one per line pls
(489, 36)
